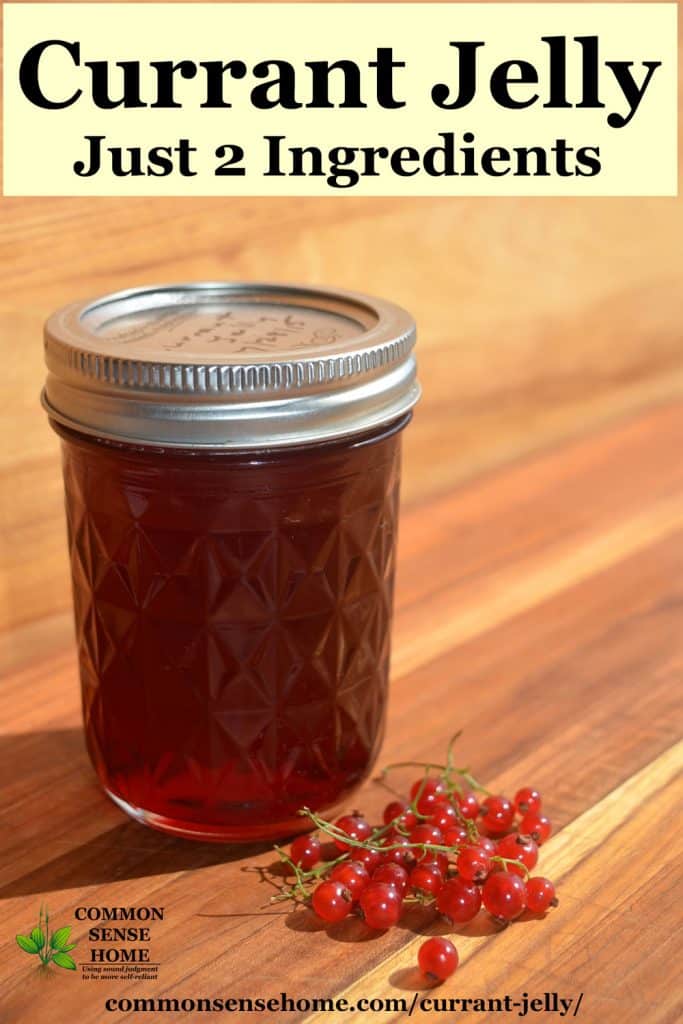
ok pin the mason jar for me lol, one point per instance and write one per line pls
(231, 458)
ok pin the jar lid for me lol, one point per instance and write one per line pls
(229, 365)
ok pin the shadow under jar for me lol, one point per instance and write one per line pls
(231, 465)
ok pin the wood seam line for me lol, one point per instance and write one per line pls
(615, 431)
(511, 592)
(561, 855)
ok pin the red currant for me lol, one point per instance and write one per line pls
(438, 958)
(332, 901)
(399, 812)
(504, 895)
(428, 792)
(380, 904)
(353, 875)
(392, 874)
(369, 856)
(497, 814)
(540, 895)
(305, 852)
(456, 836)
(355, 827)
(435, 861)
(459, 900)
(473, 864)
(521, 848)
(469, 805)
(425, 879)
(528, 799)
(444, 817)
(394, 810)
(537, 826)
(426, 834)
(487, 845)
(427, 786)
(401, 852)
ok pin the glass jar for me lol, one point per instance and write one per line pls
(231, 464)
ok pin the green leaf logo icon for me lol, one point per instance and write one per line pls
(28, 945)
(60, 938)
(49, 947)
(64, 960)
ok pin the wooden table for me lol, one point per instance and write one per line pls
(540, 609)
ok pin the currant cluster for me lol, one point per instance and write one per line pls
(450, 844)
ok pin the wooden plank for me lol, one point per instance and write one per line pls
(561, 579)
(606, 831)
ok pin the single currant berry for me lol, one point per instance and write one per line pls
(425, 833)
(392, 874)
(444, 816)
(400, 852)
(429, 835)
(459, 900)
(353, 876)
(399, 812)
(497, 814)
(394, 810)
(355, 827)
(438, 958)
(427, 786)
(425, 880)
(456, 836)
(538, 826)
(504, 895)
(332, 901)
(305, 852)
(521, 848)
(469, 805)
(473, 864)
(370, 856)
(540, 895)
(487, 845)
(380, 905)
(527, 800)
(435, 861)
(427, 793)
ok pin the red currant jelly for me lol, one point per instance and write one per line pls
(233, 597)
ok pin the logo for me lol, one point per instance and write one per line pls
(51, 948)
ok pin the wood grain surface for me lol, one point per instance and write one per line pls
(540, 609)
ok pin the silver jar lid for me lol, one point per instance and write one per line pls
(229, 365)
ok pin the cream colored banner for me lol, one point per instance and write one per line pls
(427, 99)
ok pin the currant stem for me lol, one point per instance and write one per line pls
(446, 771)
(449, 753)
(303, 879)
(331, 830)
(510, 860)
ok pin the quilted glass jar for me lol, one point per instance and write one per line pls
(231, 464)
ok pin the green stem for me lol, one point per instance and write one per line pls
(449, 753)
(303, 879)
(335, 833)
(446, 770)
(511, 860)
(42, 926)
